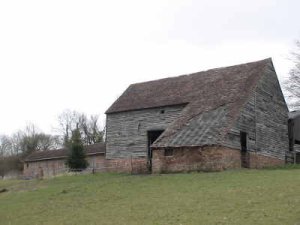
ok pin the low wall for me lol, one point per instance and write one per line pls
(98, 163)
(258, 161)
(127, 165)
(210, 158)
(195, 159)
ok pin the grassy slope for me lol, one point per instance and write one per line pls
(232, 197)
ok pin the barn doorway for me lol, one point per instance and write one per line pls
(297, 158)
(244, 151)
(152, 136)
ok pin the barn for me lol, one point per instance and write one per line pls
(222, 118)
(52, 162)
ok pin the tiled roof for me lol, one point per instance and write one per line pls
(94, 149)
(213, 98)
(215, 83)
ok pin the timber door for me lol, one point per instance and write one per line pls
(244, 151)
(152, 136)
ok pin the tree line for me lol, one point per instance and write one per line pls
(16, 147)
(292, 84)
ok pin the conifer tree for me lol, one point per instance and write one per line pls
(77, 158)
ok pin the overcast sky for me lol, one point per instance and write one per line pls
(82, 55)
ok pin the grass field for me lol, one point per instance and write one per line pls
(233, 197)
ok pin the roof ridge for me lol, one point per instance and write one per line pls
(241, 95)
(202, 71)
(178, 89)
(62, 152)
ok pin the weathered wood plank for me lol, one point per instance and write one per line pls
(126, 132)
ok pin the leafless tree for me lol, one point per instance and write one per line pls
(25, 141)
(67, 122)
(292, 85)
(32, 139)
(88, 126)
(5, 145)
(17, 146)
(9, 163)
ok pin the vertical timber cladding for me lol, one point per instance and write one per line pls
(126, 134)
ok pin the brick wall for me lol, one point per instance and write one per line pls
(258, 161)
(211, 158)
(195, 159)
(127, 165)
(55, 167)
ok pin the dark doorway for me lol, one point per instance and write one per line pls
(291, 134)
(244, 150)
(152, 136)
(297, 155)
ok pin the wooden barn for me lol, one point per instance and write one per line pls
(222, 118)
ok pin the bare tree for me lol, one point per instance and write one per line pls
(9, 163)
(47, 142)
(32, 139)
(67, 122)
(5, 145)
(17, 146)
(292, 85)
(25, 141)
(88, 126)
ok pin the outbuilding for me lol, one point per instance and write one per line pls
(52, 162)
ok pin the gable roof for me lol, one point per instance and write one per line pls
(94, 149)
(213, 99)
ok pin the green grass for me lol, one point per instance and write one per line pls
(233, 197)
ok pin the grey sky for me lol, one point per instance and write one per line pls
(81, 55)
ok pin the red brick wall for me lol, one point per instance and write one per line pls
(98, 162)
(212, 158)
(195, 159)
(129, 165)
(258, 161)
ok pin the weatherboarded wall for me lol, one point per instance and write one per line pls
(264, 119)
(271, 117)
(126, 132)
